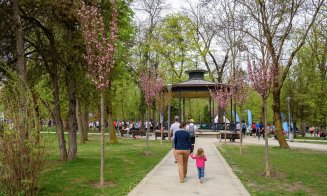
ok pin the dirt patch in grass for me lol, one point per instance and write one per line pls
(274, 174)
(96, 184)
(277, 174)
(295, 186)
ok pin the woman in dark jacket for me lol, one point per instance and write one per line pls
(183, 145)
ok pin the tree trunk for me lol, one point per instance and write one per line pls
(224, 119)
(102, 138)
(154, 117)
(266, 137)
(277, 118)
(85, 122)
(303, 131)
(241, 135)
(20, 65)
(147, 133)
(56, 112)
(72, 124)
(112, 131)
(80, 126)
(36, 114)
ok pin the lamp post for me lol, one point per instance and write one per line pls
(169, 87)
(290, 133)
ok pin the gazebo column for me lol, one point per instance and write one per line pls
(210, 110)
(169, 87)
(213, 110)
(179, 104)
(183, 110)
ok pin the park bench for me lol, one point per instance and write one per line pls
(157, 133)
(229, 135)
(139, 132)
(132, 132)
(123, 131)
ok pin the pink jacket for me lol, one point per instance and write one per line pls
(200, 162)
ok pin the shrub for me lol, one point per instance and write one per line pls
(21, 156)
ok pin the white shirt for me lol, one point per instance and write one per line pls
(174, 127)
(216, 119)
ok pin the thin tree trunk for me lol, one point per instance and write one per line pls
(85, 122)
(80, 126)
(147, 133)
(277, 119)
(225, 124)
(266, 138)
(241, 135)
(112, 131)
(72, 122)
(102, 138)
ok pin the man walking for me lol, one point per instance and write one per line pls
(173, 128)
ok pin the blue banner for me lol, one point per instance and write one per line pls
(285, 126)
(237, 117)
(249, 117)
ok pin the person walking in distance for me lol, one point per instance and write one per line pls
(200, 162)
(173, 128)
(182, 141)
(261, 131)
(192, 128)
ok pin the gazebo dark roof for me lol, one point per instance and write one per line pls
(195, 86)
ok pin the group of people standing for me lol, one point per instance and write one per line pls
(183, 144)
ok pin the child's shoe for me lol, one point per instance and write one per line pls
(201, 180)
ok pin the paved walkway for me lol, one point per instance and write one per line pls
(219, 179)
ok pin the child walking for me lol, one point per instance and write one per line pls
(200, 162)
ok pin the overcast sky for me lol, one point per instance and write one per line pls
(173, 7)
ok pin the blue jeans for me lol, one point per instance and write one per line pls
(201, 172)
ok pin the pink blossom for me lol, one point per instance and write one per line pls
(260, 76)
(99, 48)
(151, 86)
(221, 95)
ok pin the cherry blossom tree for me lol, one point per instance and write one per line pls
(221, 95)
(261, 76)
(100, 49)
(151, 87)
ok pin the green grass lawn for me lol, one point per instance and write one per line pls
(125, 167)
(310, 138)
(293, 171)
(313, 142)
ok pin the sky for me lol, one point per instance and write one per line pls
(173, 7)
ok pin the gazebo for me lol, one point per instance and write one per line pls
(195, 87)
